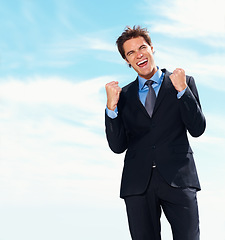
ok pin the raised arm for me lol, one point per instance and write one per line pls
(115, 131)
(190, 107)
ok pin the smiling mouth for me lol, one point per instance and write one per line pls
(142, 63)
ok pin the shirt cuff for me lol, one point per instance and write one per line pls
(180, 94)
(112, 114)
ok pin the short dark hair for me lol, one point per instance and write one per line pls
(129, 33)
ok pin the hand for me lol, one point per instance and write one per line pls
(113, 94)
(178, 79)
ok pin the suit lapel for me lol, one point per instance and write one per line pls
(165, 88)
(134, 97)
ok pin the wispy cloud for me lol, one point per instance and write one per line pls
(71, 52)
(212, 216)
(52, 141)
(99, 44)
(192, 19)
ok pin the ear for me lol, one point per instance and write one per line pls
(152, 49)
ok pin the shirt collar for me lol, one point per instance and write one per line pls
(156, 78)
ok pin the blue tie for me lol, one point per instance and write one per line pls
(151, 98)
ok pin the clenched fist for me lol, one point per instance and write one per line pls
(178, 79)
(113, 94)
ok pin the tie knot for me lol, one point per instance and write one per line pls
(149, 82)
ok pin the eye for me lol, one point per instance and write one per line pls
(130, 53)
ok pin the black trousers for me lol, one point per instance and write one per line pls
(179, 205)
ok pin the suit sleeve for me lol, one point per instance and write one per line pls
(191, 111)
(116, 134)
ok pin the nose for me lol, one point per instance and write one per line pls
(139, 55)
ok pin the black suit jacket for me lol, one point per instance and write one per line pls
(161, 138)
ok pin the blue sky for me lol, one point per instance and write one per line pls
(58, 178)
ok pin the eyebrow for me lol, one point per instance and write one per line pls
(143, 45)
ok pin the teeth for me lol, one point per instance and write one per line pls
(142, 62)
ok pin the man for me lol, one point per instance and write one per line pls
(149, 118)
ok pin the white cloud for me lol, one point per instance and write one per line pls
(52, 143)
(209, 151)
(212, 142)
(212, 212)
(54, 90)
(99, 44)
(200, 19)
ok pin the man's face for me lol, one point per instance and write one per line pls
(140, 56)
